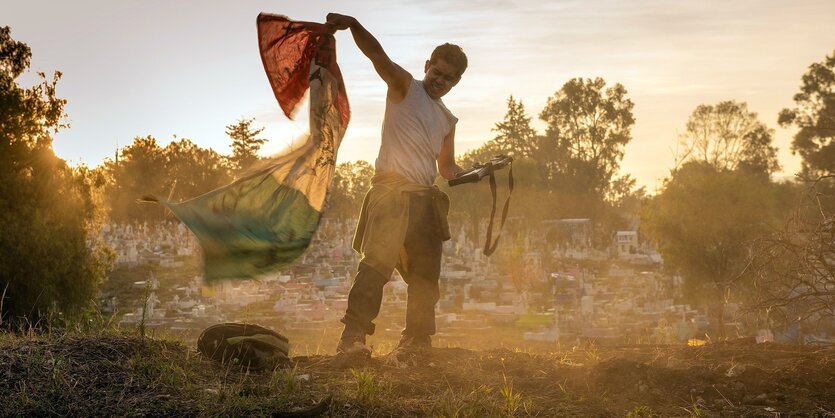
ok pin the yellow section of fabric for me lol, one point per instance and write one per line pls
(384, 218)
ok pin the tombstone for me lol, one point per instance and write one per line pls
(152, 303)
(587, 305)
(154, 283)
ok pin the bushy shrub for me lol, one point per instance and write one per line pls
(49, 262)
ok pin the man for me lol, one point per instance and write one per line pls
(403, 219)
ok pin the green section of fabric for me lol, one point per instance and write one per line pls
(251, 227)
(384, 218)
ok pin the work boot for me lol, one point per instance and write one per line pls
(409, 351)
(414, 343)
(353, 347)
(351, 352)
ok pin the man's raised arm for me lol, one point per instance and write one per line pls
(395, 76)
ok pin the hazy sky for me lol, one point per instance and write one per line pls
(135, 68)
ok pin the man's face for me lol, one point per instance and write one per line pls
(440, 78)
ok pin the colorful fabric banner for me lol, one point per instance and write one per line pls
(265, 220)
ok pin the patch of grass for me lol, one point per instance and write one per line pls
(285, 380)
(475, 403)
(382, 348)
(512, 400)
(592, 353)
(696, 411)
(642, 411)
(565, 359)
(161, 370)
(368, 388)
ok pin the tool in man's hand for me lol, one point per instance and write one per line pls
(479, 171)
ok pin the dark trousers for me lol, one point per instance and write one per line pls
(420, 266)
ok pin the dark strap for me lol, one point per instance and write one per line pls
(488, 247)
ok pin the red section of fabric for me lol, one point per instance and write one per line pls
(287, 49)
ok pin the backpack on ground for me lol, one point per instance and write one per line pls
(247, 345)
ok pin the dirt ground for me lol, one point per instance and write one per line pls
(724, 379)
(109, 375)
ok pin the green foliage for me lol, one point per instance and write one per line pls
(285, 380)
(179, 171)
(514, 135)
(697, 411)
(478, 401)
(623, 194)
(194, 170)
(570, 172)
(512, 400)
(814, 115)
(350, 182)
(471, 202)
(703, 222)
(139, 170)
(587, 130)
(642, 411)
(717, 203)
(576, 160)
(49, 263)
(703, 218)
(245, 143)
(368, 387)
(482, 154)
(588, 127)
(728, 136)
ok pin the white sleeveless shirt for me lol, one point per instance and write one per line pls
(413, 131)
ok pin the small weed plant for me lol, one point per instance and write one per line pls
(368, 388)
(642, 411)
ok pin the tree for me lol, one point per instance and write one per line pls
(587, 130)
(49, 260)
(139, 170)
(179, 171)
(728, 136)
(814, 115)
(703, 222)
(245, 143)
(194, 170)
(795, 264)
(625, 198)
(515, 137)
(569, 171)
(482, 154)
(351, 181)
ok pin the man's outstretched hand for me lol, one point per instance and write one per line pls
(336, 21)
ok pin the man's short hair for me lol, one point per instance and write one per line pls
(453, 54)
